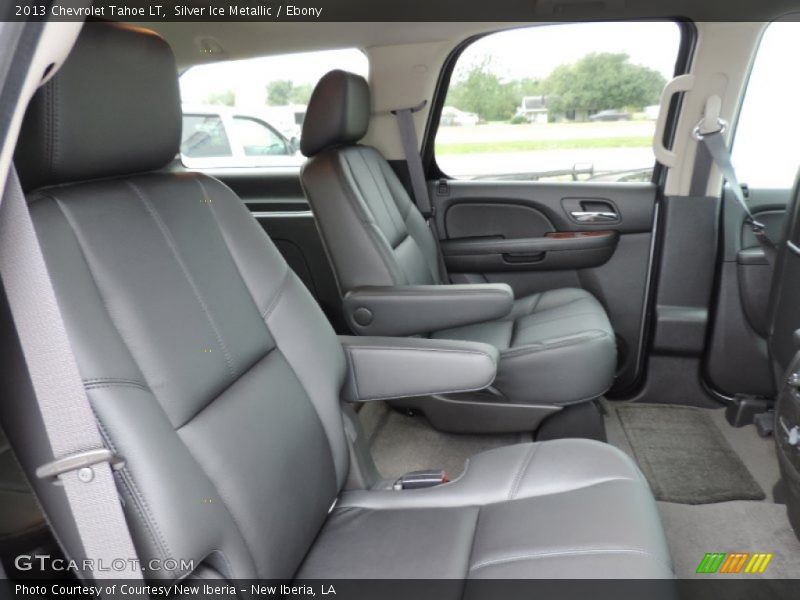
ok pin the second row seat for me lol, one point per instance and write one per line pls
(556, 348)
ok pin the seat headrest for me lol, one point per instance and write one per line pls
(112, 109)
(338, 112)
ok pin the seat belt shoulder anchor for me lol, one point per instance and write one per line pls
(698, 134)
(79, 461)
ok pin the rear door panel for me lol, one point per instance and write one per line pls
(737, 360)
(524, 234)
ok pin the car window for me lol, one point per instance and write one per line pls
(572, 102)
(262, 105)
(257, 139)
(765, 147)
(204, 136)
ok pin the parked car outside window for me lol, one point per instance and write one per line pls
(250, 112)
(217, 136)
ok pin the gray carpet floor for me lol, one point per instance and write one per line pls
(684, 455)
(400, 444)
(735, 526)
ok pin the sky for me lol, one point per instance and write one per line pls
(535, 52)
(249, 78)
(765, 148)
(529, 52)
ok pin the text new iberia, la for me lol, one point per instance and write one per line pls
(255, 589)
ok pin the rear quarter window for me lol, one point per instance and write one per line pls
(262, 104)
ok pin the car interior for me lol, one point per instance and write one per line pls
(558, 343)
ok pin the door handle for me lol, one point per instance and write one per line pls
(594, 216)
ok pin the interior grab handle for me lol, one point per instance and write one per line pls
(682, 83)
(594, 216)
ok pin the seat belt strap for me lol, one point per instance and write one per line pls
(715, 143)
(408, 135)
(416, 172)
(83, 464)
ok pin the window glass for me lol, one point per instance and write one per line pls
(765, 147)
(204, 136)
(249, 113)
(571, 102)
(257, 139)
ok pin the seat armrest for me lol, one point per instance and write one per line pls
(382, 368)
(414, 309)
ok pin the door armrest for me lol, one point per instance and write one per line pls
(555, 251)
(382, 368)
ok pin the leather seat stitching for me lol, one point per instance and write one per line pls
(275, 300)
(536, 321)
(372, 220)
(522, 470)
(73, 228)
(370, 228)
(102, 382)
(545, 346)
(570, 552)
(366, 505)
(240, 376)
(515, 320)
(224, 558)
(403, 238)
(139, 501)
(352, 365)
(265, 311)
(387, 204)
(474, 538)
(162, 227)
(560, 304)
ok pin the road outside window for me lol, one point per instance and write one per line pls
(249, 113)
(572, 102)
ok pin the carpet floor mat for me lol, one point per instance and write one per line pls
(684, 456)
(400, 443)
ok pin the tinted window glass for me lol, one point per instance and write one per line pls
(257, 139)
(572, 102)
(765, 147)
(262, 102)
(203, 137)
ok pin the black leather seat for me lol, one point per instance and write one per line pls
(556, 348)
(784, 315)
(22, 524)
(215, 375)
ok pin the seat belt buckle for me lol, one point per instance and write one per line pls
(417, 480)
(82, 462)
